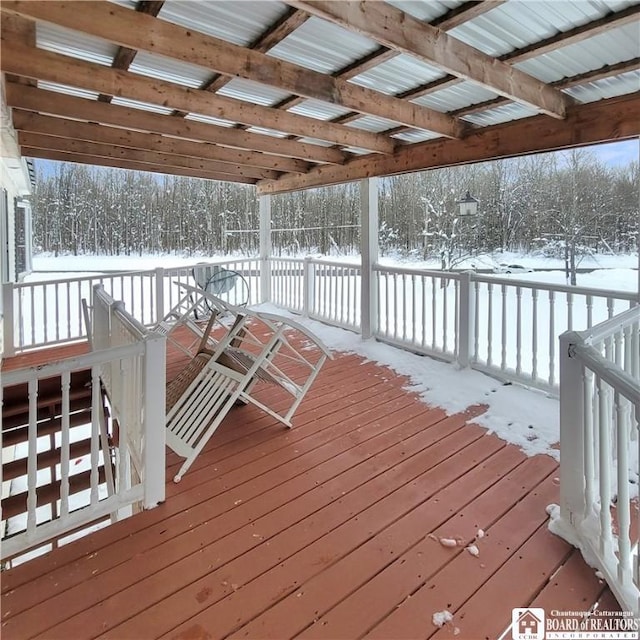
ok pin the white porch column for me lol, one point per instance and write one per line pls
(369, 252)
(265, 247)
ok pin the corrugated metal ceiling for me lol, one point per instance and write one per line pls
(398, 74)
(328, 48)
(72, 43)
(322, 46)
(607, 48)
(224, 19)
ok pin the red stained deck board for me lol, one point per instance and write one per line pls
(333, 509)
(37, 357)
(380, 588)
(338, 459)
(416, 500)
(444, 589)
(253, 548)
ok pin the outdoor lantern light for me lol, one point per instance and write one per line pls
(468, 205)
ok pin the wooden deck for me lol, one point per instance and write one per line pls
(328, 530)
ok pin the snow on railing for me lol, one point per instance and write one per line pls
(59, 460)
(599, 471)
(49, 312)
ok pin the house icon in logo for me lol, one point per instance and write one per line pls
(527, 624)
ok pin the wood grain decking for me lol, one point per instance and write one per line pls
(327, 530)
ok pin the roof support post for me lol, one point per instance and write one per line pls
(265, 247)
(369, 252)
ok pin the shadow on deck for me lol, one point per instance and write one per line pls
(328, 530)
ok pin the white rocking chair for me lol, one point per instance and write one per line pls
(257, 348)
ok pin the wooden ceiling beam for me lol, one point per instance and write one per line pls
(142, 32)
(452, 18)
(61, 156)
(23, 32)
(398, 30)
(278, 31)
(82, 147)
(53, 67)
(58, 104)
(607, 71)
(124, 56)
(603, 121)
(72, 129)
(612, 20)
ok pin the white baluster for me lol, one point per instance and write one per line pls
(534, 335)
(605, 468)
(552, 338)
(623, 506)
(518, 331)
(64, 445)
(32, 458)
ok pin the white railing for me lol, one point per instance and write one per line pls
(418, 310)
(136, 401)
(501, 326)
(49, 312)
(324, 290)
(599, 443)
(516, 325)
(508, 328)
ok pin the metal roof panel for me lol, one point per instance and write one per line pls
(319, 110)
(237, 22)
(607, 87)
(197, 117)
(67, 90)
(399, 74)
(426, 11)
(322, 46)
(169, 69)
(500, 114)
(518, 23)
(143, 106)
(458, 96)
(255, 92)
(606, 48)
(372, 123)
(75, 44)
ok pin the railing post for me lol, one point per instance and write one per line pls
(154, 421)
(308, 287)
(8, 320)
(572, 468)
(369, 251)
(159, 275)
(465, 322)
(265, 248)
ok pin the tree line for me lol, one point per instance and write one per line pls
(565, 204)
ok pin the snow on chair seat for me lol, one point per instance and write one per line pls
(257, 349)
